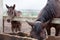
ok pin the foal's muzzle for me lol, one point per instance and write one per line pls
(8, 20)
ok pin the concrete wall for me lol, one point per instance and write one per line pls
(1, 15)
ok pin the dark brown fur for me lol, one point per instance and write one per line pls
(12, 13)
(50, 11)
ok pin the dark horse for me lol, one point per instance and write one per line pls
(12, 13)
(49, 12)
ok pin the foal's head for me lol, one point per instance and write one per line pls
(11, 12)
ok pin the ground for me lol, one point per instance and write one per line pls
(25, 27)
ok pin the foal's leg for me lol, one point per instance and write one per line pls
(12, 29)
(19, 26)
(12, 26)
(15, 27)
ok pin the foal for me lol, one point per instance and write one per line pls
(12, 13)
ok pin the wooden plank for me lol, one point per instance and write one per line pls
(21, 18)
(54, 21)
(14, 37)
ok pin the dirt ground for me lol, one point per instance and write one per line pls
(24, 28)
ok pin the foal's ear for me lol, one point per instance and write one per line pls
(7, 6)
(14, 6)
(30, 23)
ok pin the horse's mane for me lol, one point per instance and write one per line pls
(47, 13)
